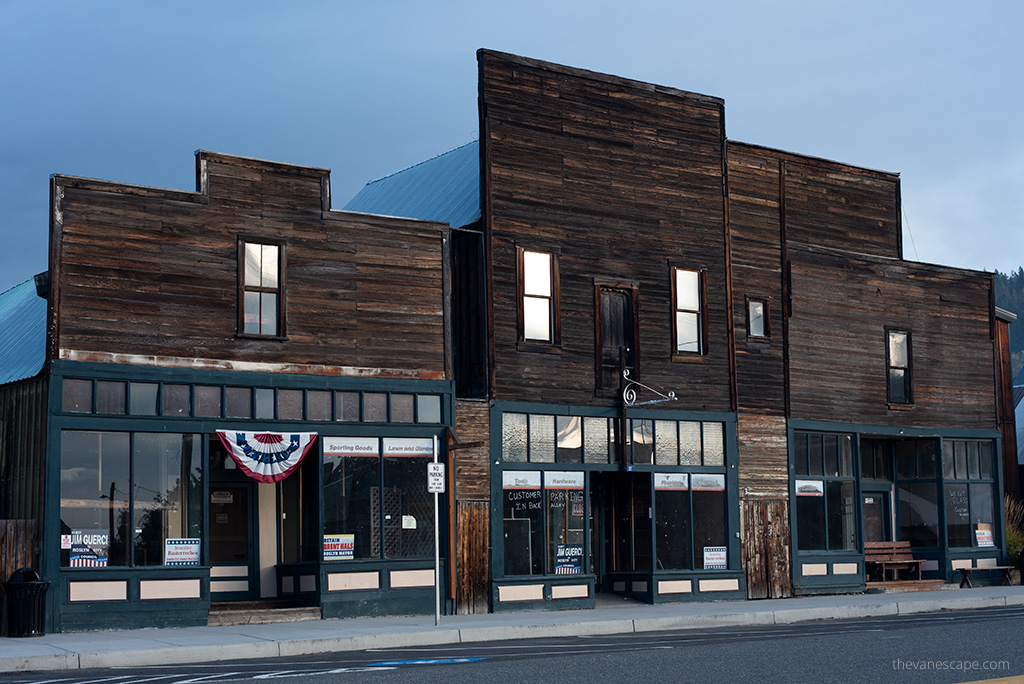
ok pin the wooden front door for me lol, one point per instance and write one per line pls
(766, 548)
(233, 574)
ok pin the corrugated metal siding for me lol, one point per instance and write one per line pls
(445, 188)
(23, 450)
(22, 333)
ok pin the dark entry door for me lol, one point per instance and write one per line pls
(877, 516)
(766, 548)
(232, 549)
(616, 335)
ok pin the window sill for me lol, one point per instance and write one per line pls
(690, 358)
(901, 407)
(538, 347)
(270, 338)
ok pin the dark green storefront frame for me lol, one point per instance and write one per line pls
(63, 615)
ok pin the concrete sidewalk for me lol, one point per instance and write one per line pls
(82, 650)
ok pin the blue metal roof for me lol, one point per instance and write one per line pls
(445, 188)
(22, 333)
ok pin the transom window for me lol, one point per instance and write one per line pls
(688, 311)
(262, 268)
(538, 296)
(900, 387)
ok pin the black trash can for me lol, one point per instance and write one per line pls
(26, 603)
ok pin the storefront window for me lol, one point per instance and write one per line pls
(113, 483)
(565, 513)
(168, 491)
(824, 489)
(545, 438)
(523, 526)
(351, 480)
(968, 503)
(407, 506)
(710, 522)
(94, 491)
(672, 520)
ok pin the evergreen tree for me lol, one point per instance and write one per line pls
(1010, 296)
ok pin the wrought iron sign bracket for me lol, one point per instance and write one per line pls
(629, 392)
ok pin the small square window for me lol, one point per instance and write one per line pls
(289, 404)
(346, 406)
(375, 408)
(401, 408)
(428, 408)
(143, 398)
(110, 397)
(207, 401)
(264, 403)
(76, 396)
(238, 402)
(175, 400)
(318, 405)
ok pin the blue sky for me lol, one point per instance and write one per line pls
(127, 91)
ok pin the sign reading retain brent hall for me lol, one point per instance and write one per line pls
(267, 456)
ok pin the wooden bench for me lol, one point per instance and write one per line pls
(889, 556)
(965, 575)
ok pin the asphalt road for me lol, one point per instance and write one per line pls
(960, 646)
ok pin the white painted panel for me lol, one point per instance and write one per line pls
(675, 586)
(169, 589)
(567, 591)
(814, 569)
(844, 568)
(229, 571)
(718, 585)
(266, 528)
(351, 581)
(98, 591)
(401, 579)
(228, 585)
(525, 592)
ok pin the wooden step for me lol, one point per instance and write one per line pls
(899, 586)
(259, 613)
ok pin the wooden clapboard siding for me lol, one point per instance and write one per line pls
(472, 464)
(843, 207)
(841, 308)
(153, 273)
(472, 525)
(619, 179)
(763, 455)
(757, 256)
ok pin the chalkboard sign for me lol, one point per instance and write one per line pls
(522, 501)
(958, 508)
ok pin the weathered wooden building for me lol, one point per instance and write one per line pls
(197, 345)
(660, 363)
(701, 368)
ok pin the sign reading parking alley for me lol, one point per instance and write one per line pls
(435, 478)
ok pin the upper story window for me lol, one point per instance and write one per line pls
(261, 289)
(688, 307)
(538, 296)
(898, 359)
(757, 318)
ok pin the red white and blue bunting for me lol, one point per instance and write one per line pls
(267, 456)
